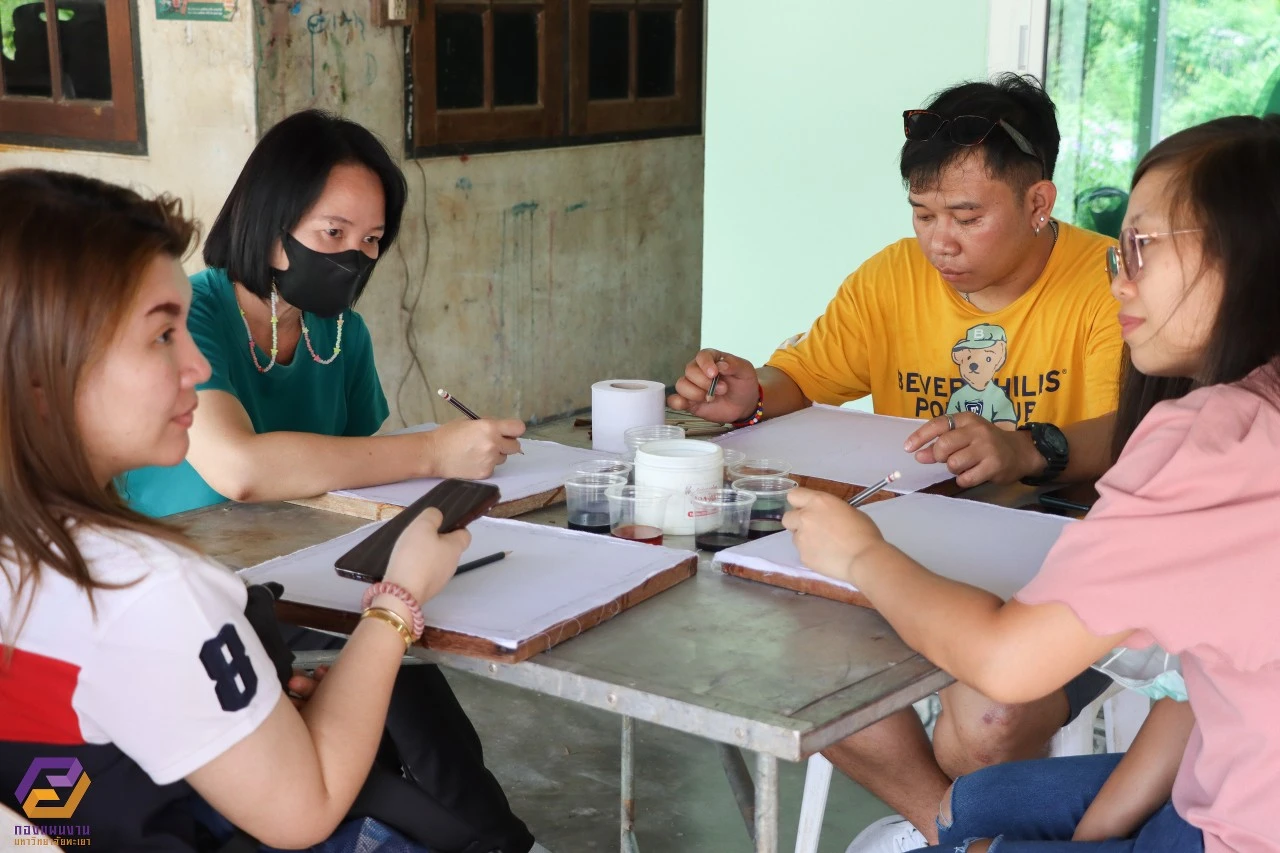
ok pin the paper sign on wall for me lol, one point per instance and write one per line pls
(192, 10)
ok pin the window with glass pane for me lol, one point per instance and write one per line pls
(635, 66)
(84, 90)
(609, 54)
(485, 72)
(656, 60)
(1127, 73)
(459, 60)
(515, 58)
(490, 74)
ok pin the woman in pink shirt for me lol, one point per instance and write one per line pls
(1181, 550)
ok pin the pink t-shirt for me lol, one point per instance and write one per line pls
(1183, 548)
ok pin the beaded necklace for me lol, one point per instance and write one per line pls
(275, 338)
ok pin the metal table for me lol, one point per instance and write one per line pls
(751, 667)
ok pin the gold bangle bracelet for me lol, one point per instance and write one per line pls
(393, 619)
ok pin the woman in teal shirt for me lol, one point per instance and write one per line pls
(294, 400)
(292, 404)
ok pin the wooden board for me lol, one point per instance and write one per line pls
(844, 491)
(952, 527)
(808, 586)
(375, 511)
(326, 619)
(694, 426)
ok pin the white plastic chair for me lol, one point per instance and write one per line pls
(1123, 712)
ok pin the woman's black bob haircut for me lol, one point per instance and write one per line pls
(282, 179)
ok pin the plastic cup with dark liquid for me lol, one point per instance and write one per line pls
(721, 518)
(586, 502)
(771, 503)
(637, 513)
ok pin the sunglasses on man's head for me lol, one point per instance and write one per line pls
(923, 125)
(1128, 255)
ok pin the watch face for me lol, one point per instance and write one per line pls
(1053, 439)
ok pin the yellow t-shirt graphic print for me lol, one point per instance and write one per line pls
(979, 355)
(898, 331)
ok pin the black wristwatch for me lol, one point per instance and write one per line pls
(1051, 443)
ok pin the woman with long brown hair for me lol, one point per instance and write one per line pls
(1179, 555)
(129, 674)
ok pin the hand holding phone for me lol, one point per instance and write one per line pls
(459, 502)
(423, 559)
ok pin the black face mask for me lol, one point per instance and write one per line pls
(324, 284)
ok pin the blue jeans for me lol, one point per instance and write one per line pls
(361, 835)
(1034, 807)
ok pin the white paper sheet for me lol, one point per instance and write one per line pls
(992, 547)
(552, 575)
(543, 466)
(842, 445)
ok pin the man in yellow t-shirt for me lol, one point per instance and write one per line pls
(897, 330)
(997, 324)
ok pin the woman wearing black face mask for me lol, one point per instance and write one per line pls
(294, 400)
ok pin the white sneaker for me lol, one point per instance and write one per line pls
(892, 834)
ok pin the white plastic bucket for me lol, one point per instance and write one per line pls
(681, 466)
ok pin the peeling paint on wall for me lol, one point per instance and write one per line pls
(504, 280)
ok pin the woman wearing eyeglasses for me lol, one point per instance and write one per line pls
(1180, 551)
(996, 322)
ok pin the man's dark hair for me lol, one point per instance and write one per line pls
(1018, 100)
(282, 179)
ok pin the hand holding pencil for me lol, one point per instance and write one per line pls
(830, 535)
(717, 386)
(471, 448)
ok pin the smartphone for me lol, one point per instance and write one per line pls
(459, 501)
(1076, 499)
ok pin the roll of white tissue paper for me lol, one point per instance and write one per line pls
(617, 405)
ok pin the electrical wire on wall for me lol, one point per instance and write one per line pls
(408, 307)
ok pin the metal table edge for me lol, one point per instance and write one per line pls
(819, 736)
(751, 729)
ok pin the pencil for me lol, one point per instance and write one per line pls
(715, 380)
(481, 561)
(457, 404)
(861, 497)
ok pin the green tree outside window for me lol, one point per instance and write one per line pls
(1127, 73)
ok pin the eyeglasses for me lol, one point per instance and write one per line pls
(1128, 255)
(923, 125)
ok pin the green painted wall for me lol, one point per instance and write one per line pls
(803, 129)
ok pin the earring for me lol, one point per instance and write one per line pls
(1036, 231)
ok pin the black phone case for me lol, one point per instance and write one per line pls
(1077, 498)
(459, 501)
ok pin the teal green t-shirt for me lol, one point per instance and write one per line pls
(341, 398)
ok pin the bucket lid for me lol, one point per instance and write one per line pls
(679, 453)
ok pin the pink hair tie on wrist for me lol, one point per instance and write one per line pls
(388, 588)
